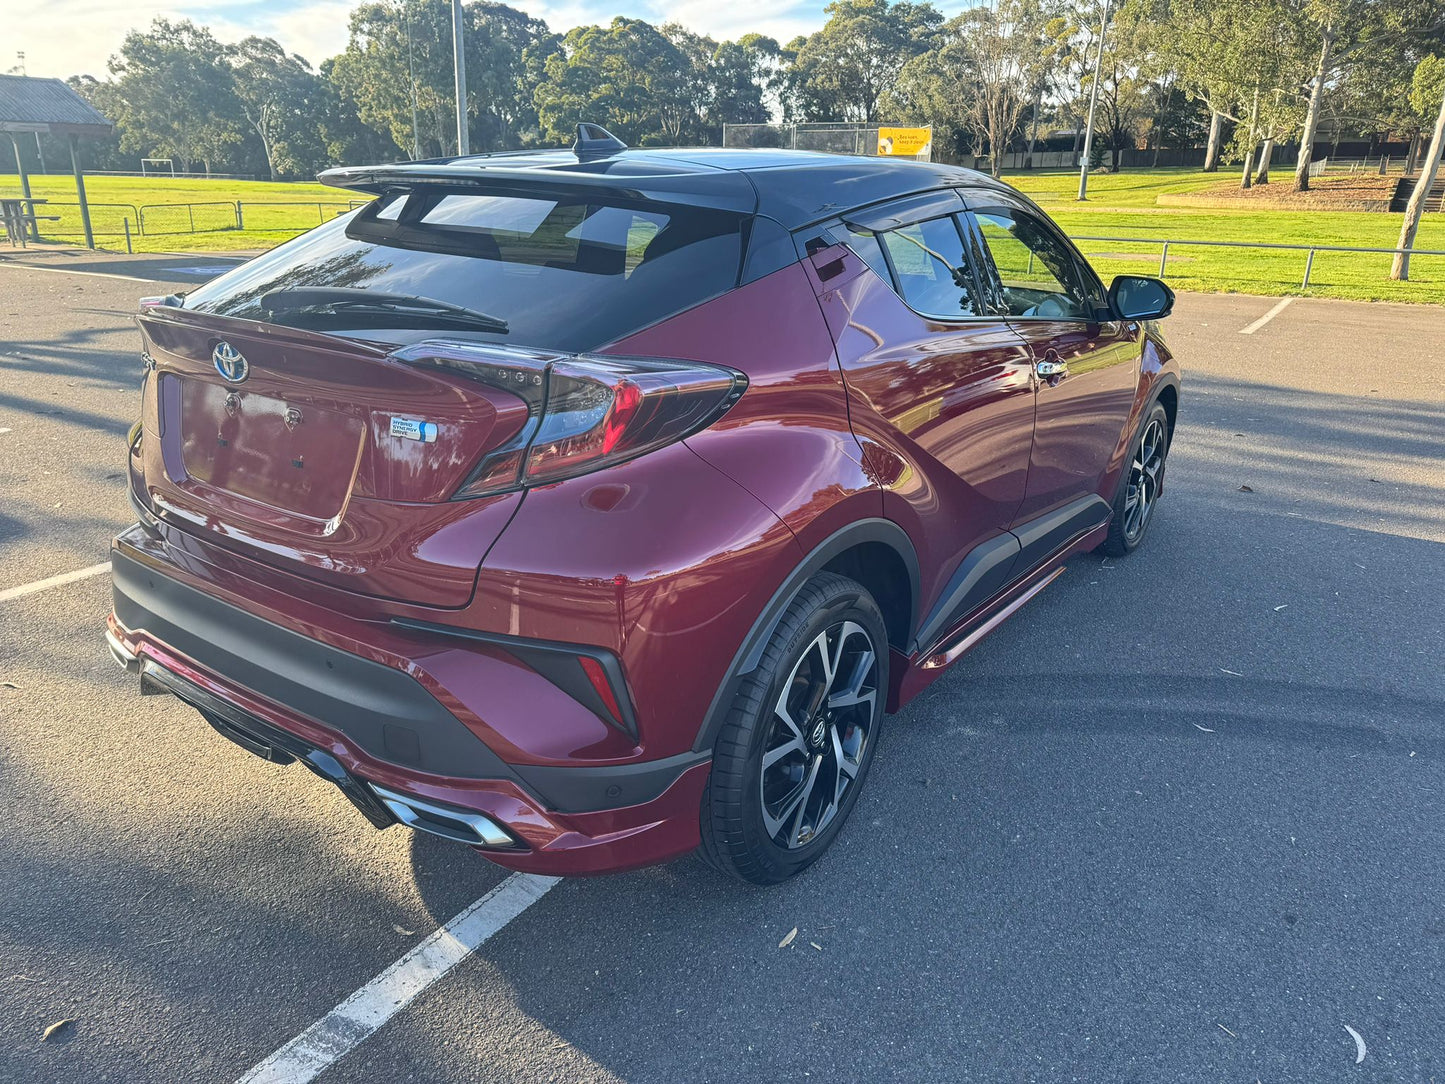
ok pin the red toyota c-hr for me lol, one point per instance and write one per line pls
(585, 506)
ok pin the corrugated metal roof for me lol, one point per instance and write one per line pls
(31, 102)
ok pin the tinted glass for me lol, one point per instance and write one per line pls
(865, 244)
(1037, 275)
(932, 270)
(566, 275)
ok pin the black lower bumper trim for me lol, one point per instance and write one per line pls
(269, 742)
(380, 709)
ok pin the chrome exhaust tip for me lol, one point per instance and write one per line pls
(124, 657)
(460, 826)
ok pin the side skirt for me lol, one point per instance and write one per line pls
(921, 668)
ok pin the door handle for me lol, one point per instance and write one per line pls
(1051, 367)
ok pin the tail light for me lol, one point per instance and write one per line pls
(585, 411)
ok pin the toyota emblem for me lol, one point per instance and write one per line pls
(230, 362)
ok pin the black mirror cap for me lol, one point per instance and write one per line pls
(1140, 297)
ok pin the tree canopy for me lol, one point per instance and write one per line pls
(1004, 76)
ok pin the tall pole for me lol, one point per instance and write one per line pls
(460, 62)
(411, 75)
(1093, 101)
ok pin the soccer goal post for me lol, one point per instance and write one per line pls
(157, 166)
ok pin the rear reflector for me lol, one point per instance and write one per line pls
(585, 412)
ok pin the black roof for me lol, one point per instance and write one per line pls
(28, 104)
(793, 187)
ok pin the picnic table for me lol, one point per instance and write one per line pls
(21, 221)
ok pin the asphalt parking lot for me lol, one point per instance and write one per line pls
(1179, 820)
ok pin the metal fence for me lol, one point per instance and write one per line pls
(1309, 250)
(832, 137)
(209, 216)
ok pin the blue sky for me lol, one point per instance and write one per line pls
(68, 37)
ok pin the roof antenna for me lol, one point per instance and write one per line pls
(595, 141)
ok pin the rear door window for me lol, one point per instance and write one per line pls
(931, 268)
(563, 273)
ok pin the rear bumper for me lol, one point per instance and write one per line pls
(376, 725)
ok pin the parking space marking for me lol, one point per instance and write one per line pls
(1266, 318)
(355, 1019)
(74, 271)
(53, 581)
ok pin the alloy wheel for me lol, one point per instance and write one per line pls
(821, 725)
(1146, 473)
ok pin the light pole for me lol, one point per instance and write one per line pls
(411, 75)
(460, 62)
(1093, 101)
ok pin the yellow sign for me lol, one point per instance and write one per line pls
(906, 142)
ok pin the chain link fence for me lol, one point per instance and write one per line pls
(831, 137)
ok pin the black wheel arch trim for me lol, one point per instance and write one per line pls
(750, 652)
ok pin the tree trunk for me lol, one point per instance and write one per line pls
(1252, 137)
(1262, 175)
(1034, 127)
(1312, 114)
(1413, 159)
(1400, 269)
(1211, 155)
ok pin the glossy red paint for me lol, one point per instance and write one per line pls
(326, 495)
(936, 435)
(950, 408)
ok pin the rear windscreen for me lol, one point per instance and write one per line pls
(564, 274)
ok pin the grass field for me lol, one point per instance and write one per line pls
(1120, 205)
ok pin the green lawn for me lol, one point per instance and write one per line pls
(1120, 205)
(1123, 205)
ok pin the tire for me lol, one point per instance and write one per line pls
(826, 665)
(1140, 485)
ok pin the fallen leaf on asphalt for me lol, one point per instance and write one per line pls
(55, 1027)
(788, 940)
(1232, 673)
(404, 933)
(816, 945)
(1228, 1032)
(9, 684)
(1359, 1043)
(1203, 728)
(1246, 489)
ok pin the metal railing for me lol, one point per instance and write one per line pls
(208, 216)
(1310, 250)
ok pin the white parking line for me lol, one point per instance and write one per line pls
(1266, 318)
(53, 581)
(355, 1019)
(74, 271)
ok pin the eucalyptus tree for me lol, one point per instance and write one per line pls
(843, 70)
(280, 97)
(1429, 85)
(176, 94)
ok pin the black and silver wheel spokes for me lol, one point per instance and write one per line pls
(820, 729)
(1145, 474)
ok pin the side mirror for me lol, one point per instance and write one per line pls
(1139, 297)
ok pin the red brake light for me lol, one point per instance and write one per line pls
(586, 411)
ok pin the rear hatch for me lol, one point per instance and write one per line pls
(326, 456)
(296, 412)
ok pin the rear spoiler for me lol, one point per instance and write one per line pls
(721, 190)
